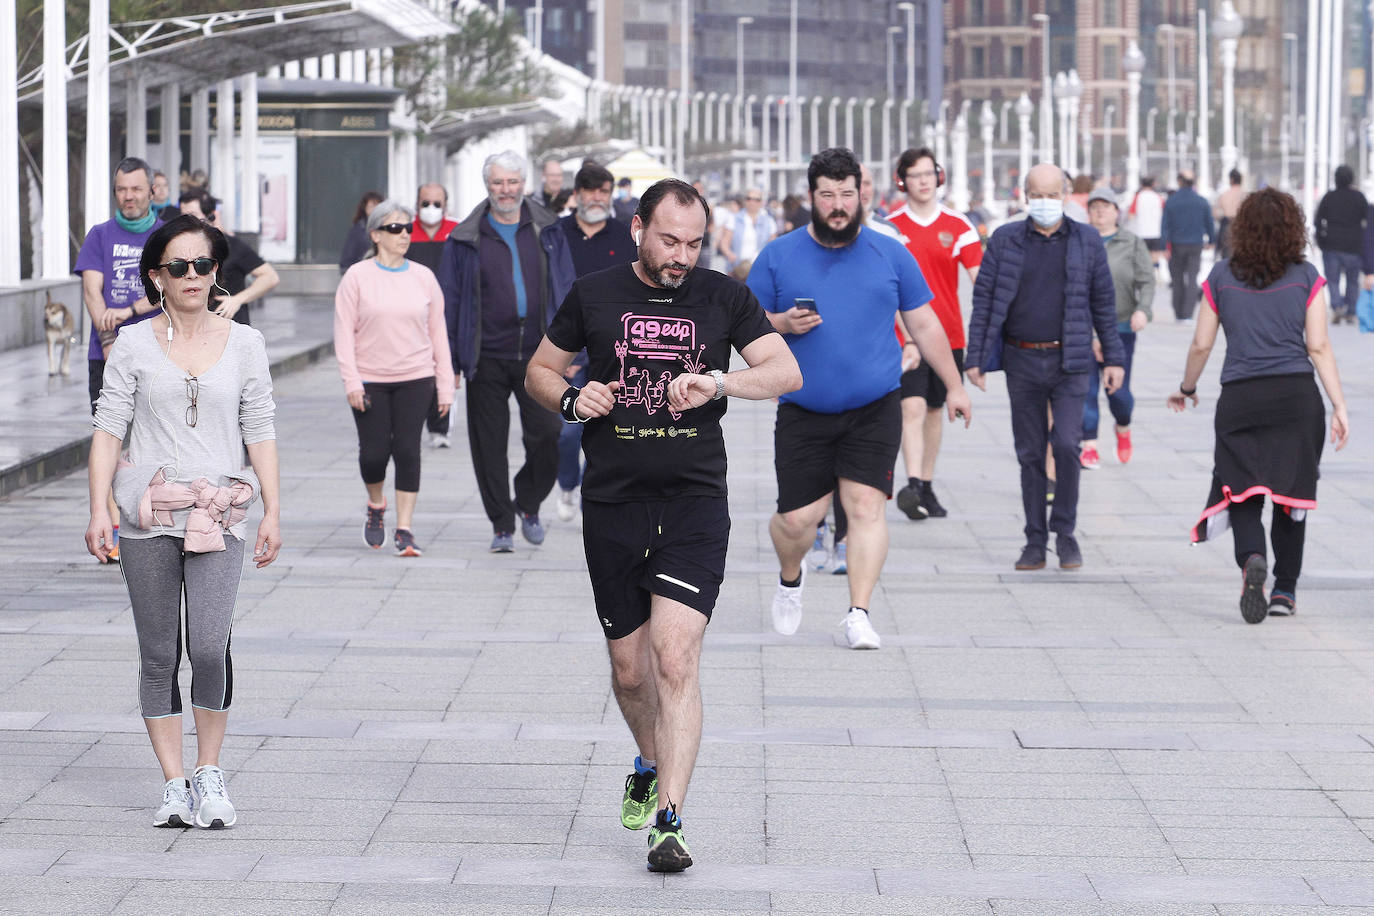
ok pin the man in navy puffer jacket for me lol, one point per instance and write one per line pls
(1042, 290)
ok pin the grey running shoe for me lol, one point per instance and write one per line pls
(503, 542)
(176, 804)
(1253, 607)
(531, 528)
(213, 808)
(374, 529)
(405, 544)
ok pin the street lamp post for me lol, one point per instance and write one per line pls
(1046, 91)
(987, 121)
(1133, 63)
(1151, 117)
(941, 132)
(1108, 116)
(1061, 98)
(1169, 133)
(1227, 29)
(891, 78)
(1075, 97)
(958, 190)
(1204, 134)
(740, 23)
(1002, 120)
(910, 9)
(1024, 110)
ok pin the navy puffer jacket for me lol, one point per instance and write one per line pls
(1090, 298)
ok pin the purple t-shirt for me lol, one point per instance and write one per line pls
(114, 251)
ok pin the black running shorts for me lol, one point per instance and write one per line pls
(813, 450)
(674, 548)
(922, 382)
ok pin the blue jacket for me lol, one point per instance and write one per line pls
(1089, 300)
(460, 280)
(1187, 219)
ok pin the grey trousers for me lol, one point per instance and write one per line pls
(159, 573)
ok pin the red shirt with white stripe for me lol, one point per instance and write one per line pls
(940, 245)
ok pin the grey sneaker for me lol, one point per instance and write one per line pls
(176, 804)
(531, 528)
(213, 808)
(502, 542)
(374, 529)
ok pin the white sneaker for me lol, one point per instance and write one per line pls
(213, 808)
(859, 632)
(819, 554)
(787, 606)
(567, 505)
(438, 440)
(176, 804)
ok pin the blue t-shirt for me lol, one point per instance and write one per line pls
(114, 251)
(852, 357)
(507, 232)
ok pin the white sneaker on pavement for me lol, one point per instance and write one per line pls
(176, 804)
(439, 440)
(567, 505)
(787, 606)
(859, 632)
(213, 808)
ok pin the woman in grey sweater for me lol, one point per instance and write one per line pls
(190, 389)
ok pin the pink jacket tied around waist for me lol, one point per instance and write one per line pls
(213, 509)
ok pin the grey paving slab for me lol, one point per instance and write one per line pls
(1252, 889)
(88, 864)
(354, 869)
(929, 883)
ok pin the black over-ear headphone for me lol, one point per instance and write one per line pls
(939, 176)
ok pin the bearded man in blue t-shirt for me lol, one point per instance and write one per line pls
(832, 289)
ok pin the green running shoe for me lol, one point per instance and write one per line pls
(667, 848)
(641, 800)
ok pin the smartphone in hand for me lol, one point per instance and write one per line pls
(806, 305)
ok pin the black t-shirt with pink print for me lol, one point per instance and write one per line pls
(643, 336)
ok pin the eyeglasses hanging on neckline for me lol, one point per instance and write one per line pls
(192, 392)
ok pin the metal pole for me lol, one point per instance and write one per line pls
(685, 86)
(56, 248)
(222, 172)
(10, 269)
(1132, 132)
(1023, 118)
(1321, 76)
(740, 23)
(98, 117)
(793, 144)
(1336, 60)
(136, 117)
(1171, 136)
(250, 216)
(987, 121)
(171, 135)
(891, 78)
(1046, 92)
(1204, 142)
(1108, 115)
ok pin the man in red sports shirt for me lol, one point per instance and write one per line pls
(941, 240)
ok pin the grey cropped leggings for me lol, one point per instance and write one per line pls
(158, 572)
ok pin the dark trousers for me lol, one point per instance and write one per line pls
(488, 404)
(1286, 534)
(1184, 261)
(570, 444)
(1037, 384)
(1121, 402)
(389, 430)
(1338, 265)
(433, 422)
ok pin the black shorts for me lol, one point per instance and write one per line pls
(813, 450)
(1156, 244)
(669, 547)
(922, 382)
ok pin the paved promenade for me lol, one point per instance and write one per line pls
(439, 735)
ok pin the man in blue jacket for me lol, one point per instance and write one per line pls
(1187, 223)
(504, 271)
(1043, 287)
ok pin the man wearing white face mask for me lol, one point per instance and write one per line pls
(1043, 287)
(427, 237)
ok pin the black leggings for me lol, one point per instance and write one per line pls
(389, 429)
(1286, 534)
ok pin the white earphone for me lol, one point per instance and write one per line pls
(639, 237)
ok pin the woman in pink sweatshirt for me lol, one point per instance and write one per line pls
(392, 345)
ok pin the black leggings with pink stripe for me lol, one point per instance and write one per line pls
(1287, 536)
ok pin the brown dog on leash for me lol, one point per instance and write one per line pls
(57, 322)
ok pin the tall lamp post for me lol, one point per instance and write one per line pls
(1169, 133)
(1227, 29)
(1046, 91)
(1108, 116)
(740, 23)
(1024, 110)
(958, 190)
(986, 122)
(891, 78)
(910, 10)
(1133, 63)
(1204, 127)
(1061, 98)
(1075, 89)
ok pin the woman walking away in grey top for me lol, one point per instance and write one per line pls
(191, 389)
(1270, 419)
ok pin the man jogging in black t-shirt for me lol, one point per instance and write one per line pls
(655, 520)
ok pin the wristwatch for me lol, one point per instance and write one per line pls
(720, 383)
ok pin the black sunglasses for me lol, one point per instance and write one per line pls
(393, 228)
(431, 203)
(178, 268)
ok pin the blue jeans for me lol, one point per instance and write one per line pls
(1337, 265)
(570, 444)
(1121, 402)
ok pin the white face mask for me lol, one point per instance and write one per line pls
(1046, 211)
(431, 215)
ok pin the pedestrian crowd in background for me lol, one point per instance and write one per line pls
(609, 318)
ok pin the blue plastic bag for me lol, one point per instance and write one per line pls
(1364, 310)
